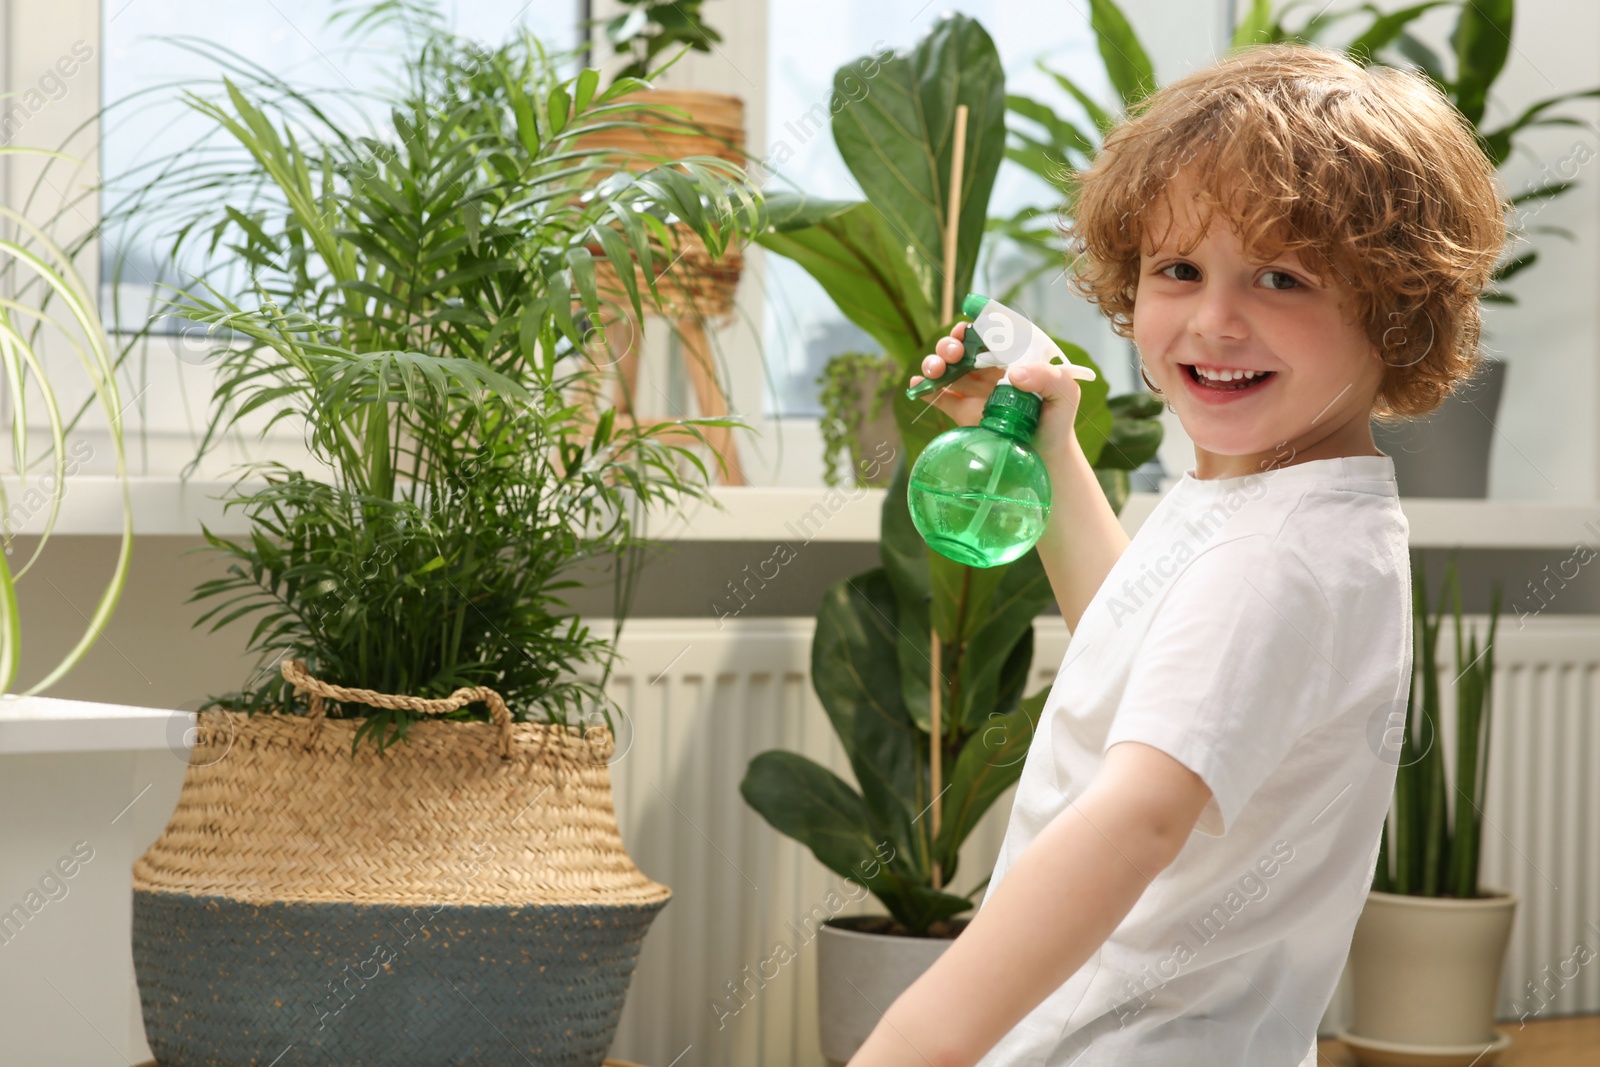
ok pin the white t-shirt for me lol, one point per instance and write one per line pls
(1258, 630)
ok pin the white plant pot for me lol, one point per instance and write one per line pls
(859, 975)
(1426, 975)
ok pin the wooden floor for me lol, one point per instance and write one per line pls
(608, 1063)
(1572, 1041)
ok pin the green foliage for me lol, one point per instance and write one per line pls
(909, 118)
(1054, 147)
(870, 665)
(846, 380)
(419, 303)
(1127, 66)
(1133, 439)
(879, 260)
(35, 274)
(647, 27)
(1437, 842)
(854, 254)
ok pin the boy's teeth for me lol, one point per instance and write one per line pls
(1227, 375)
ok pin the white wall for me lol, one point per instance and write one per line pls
(1548, 444)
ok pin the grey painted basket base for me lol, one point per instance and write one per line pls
(224, 983)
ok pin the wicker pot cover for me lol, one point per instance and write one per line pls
(694, 283)
(463, 898)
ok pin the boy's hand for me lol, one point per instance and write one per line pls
(963, 400)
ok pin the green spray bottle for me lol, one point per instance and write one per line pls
(980, 495)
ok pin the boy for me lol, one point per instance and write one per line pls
(1295, 245)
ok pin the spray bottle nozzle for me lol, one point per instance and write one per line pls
(998, 337)
(973, 345)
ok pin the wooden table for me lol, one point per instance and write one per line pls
(1569, 1041)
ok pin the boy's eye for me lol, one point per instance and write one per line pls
(1292, 280)
(1177, 266)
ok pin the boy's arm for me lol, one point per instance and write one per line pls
(1048, 915)
(1083, 537)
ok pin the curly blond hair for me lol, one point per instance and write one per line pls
(1366, 172)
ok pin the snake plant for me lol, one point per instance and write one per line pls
(1434, 846)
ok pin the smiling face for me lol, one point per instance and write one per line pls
(1212, 310)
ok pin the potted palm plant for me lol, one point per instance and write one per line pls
(402, 824)
(921, 647)
(1446, 453)
(1427, 951)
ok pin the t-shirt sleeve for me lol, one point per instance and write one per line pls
(1235, 667)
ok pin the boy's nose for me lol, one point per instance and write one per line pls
(1218, 315)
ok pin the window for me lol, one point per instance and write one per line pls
(1549, 399)
(807, 43)
(152, 51)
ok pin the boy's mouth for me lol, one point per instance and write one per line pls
(1240, 381)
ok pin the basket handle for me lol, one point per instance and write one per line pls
(294, 672)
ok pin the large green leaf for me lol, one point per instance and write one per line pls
(1002, 623)
(1093, 422)
(905, 561)
(808, 802)
(811, 804)
(857, 677)
(898, 141)
(1482, 40)
(990, 763)
(1127, 64)
(1135, 432)
(849, 248)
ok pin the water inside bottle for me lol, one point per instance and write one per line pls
(948, 521)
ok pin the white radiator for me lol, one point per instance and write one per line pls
(712, 987)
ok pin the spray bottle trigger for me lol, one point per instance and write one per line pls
(972, 344)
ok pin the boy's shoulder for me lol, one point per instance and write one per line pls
(1341, 530)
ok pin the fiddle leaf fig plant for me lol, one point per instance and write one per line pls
(879, 260)
(869, 663)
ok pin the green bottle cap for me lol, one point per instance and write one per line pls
(972, 304)
(1014, 409)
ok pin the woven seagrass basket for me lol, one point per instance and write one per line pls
(690, 281)
(463, 898)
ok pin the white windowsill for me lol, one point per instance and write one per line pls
(168, 506)
(33, 725)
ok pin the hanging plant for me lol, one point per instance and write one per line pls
(855, 387)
